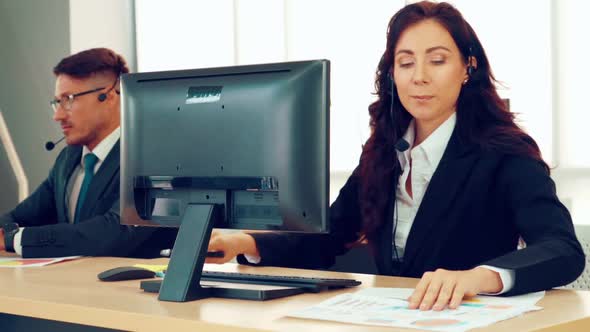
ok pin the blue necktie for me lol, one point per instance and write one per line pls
(89, 163)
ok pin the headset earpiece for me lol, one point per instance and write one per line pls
(103, 96)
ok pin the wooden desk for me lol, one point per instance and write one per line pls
(70, 292)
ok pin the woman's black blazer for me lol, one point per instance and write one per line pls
(477, 205)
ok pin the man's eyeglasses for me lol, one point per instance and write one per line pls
(66, 101)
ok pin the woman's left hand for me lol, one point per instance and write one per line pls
(442, 287)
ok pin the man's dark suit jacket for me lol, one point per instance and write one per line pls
(475, 208)
(49, 232)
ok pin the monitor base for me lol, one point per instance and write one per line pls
(234, 291)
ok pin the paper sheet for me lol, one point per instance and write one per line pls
(17, 262)
(383, 307)
(403, 293)
(153, 267)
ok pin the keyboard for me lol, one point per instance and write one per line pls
(309, 283)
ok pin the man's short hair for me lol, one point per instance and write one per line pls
(92, 61)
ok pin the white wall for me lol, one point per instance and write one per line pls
(103, 23)
(34, 36)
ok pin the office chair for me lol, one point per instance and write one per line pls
(583, 281)
(356, 260)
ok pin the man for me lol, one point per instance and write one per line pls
(75, 211)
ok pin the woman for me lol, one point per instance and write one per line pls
(468, 182)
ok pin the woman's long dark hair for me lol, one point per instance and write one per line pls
(482, 117)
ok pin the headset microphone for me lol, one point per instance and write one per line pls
(391, 90)
(50, 145)
(402, 145)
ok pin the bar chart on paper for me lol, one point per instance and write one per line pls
(388, 307)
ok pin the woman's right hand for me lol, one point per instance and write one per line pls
(232, 244)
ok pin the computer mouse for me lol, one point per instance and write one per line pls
(126, 273)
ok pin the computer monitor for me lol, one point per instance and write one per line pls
(243, 147)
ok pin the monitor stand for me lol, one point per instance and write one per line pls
(183, 275)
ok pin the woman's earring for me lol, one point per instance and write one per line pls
(465, 80)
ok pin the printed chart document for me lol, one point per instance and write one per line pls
(388, 307)
(17, 262)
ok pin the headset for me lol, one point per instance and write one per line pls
(391, 86)
(103, 96)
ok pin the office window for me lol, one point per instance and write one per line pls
(520, 60)
(571, 46)
(260, 31)
(573, 113)
(193, 34)
(180, 34)
(536, 49)
(352, 34)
